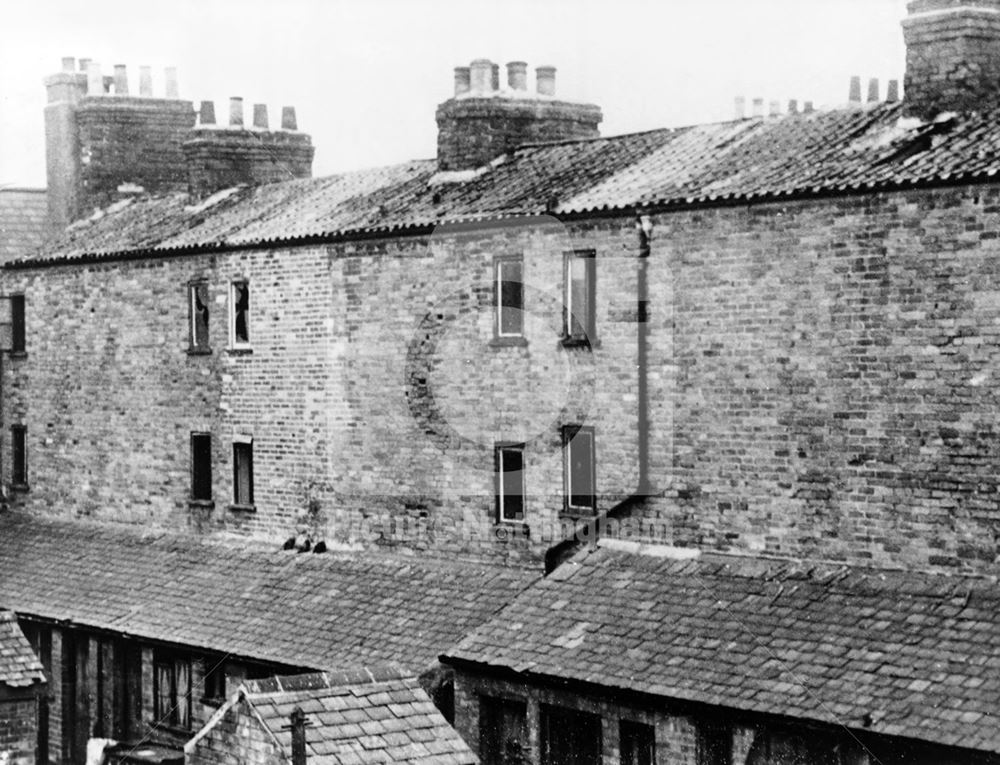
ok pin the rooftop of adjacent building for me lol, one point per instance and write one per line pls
(22, 222)
(19, 667)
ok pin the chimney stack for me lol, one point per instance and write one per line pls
(474, 127)
(260, 116)
(298, 726)
(774, 109)
(892, 92)
(170, 78)
(145, 81)
(236, 111)
(793, 106)
(873, 90)
(951, 56)
(288, 121)
(206, 114)
(854, 96)
(740, 107)
(758, 107)
(69, 64)
(121, 80)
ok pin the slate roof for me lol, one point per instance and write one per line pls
(303, 610)
(23, 214)
(898, 653)
(373, 715)
(828, 152)
(18, 664)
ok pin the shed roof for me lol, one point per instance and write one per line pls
(19, 666)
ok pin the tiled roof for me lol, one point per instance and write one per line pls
(22, 222)
(898, 653)
(302, 610)
(376, 715)
(18, 664)
(821, 152)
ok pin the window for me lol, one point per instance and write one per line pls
(201, 467)
(569, 737)
(243, 473)
(509, 287)
(509, 468)
(715, 747)
(239, 309)
(19, 456)
(171, 690)
(215, 681)
(17, 325)
(578, 319)
(578, 459)
(503, 731)
(198, 315)
(638, 743)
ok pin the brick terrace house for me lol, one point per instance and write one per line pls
(766, 345)
(22, 695)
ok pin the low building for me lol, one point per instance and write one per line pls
(22, 695)
(373, 715)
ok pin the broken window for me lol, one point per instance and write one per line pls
(509, 297)
(198, 309)
(570, 737)
(509, 459)
(503, 731)
(201, 466)
(171, 690)
(17, 324)
(578, 458)
(240, 314)
(19, 455)
(578, 320)
(243, 473)
(638, 743)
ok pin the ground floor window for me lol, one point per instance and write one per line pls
(172, 690)
(570, 737)
(503, 731)
(637, 743)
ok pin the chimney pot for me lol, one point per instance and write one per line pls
(480, 75)
(236, 111)
(892, 92)
(495, 76)
(206, 114)
(95, 81)
(873, 90)
(260, 116)
(807, 107)
(145, 81)
(545, 80)
(170, 76)
(793, 106)
(758, 107)
(854, 96)
(740, 107)
(517, 75)
(69, 64)
(774, 109)
(121, 80)
(288, 121)
(461, 80)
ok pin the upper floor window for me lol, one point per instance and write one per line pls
(201, 467)
(243, 473)
(198, 315)
(578, 319)
(171, 689)
(17, 324)
(19, 455)
(509, 460)
(239, 314)
(578, 457)
(509, 288)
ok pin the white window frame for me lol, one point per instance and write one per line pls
(233, 341)
(570, 434)
(502, 515)
(498, 282)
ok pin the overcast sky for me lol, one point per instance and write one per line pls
(366, 77)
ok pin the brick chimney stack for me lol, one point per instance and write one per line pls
(219, 157)
(483, 121)
(952, 56)
(101, 142)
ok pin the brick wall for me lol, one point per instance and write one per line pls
(235, 736)
(824, 378)
(220, 159)
(373, 393)
(18, 728)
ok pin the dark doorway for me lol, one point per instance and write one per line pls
(570, 737)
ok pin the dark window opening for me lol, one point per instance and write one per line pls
(580, 489)
(201, 466)
(569, 737)
(509, 468)
(241, 313)
(503, 731)
(243, 473)
(171, 690)
(215, 681)
(19, 455)
(17, 324)
(578, 319)
(510, 297)
(198, 305)
(638, 743)
(715, 745)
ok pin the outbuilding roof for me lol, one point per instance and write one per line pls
(301, 610)
(826, 152)
(23, 214)
(18, 664)
(892, 652)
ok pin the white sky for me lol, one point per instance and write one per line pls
(365, 77)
